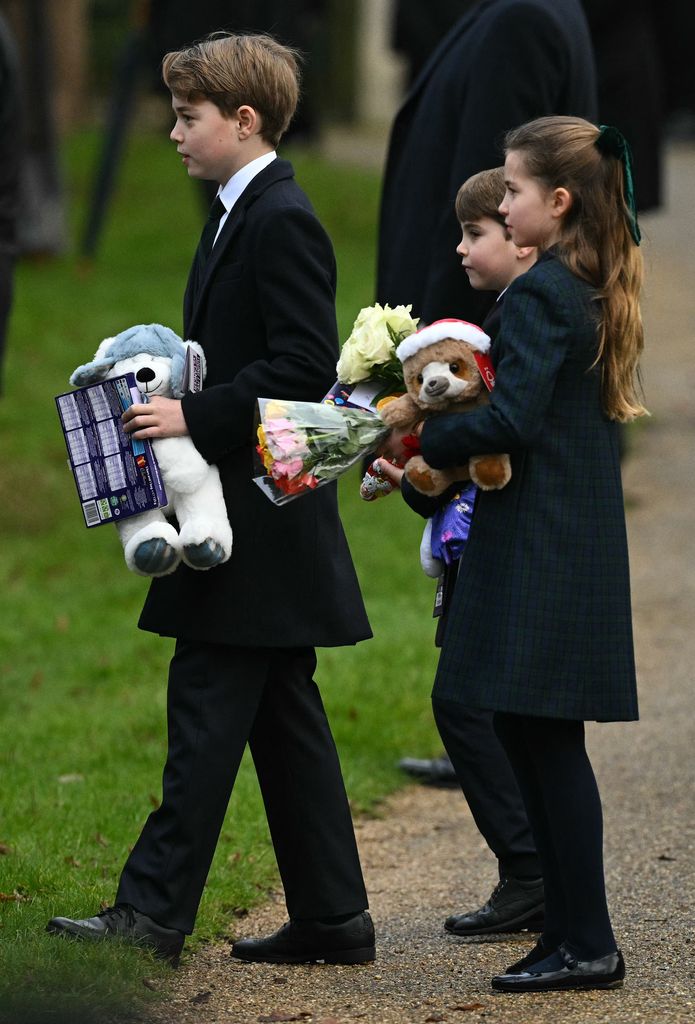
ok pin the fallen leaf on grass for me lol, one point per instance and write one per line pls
(5, 848)
(73, 862)
(665, 856)
(468, 1006)
(102, 840)
(434, 1019)
(70, 777)
(13, 897)
(149, 983)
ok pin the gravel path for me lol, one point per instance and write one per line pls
(423, 858)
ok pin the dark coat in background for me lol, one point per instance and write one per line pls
(630, 84)
(263, 310)
(503, 63)
(540, 622)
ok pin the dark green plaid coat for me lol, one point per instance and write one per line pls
(540, 622)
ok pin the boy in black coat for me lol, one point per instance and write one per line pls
(491, 262)
(260, 300)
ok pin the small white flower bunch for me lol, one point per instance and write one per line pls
(370, 351)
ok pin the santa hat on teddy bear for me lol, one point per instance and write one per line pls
(440, 330)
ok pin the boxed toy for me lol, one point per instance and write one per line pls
(115, 476)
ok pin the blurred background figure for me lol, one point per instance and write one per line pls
(159, 26)
(9, 174)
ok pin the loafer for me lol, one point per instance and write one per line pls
(122, 922)
(515, 905)
(301, 942)
(605, 972)
(437, 771)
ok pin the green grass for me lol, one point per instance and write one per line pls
(82, 691)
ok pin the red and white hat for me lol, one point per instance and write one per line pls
(440, 330)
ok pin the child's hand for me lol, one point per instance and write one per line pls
(394, 448)
(160, 417)
(387, 470)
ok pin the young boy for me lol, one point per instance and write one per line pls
(260, 300)
(488, 255)
(491, 261)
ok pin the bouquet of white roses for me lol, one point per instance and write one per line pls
(303, 445)
(369, 354)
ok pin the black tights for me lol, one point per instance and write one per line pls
(562, 801)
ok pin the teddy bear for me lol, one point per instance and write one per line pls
(443, 373)
(152, 544)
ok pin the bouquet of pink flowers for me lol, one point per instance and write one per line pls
(303, 445)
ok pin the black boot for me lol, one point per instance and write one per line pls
(514, 906)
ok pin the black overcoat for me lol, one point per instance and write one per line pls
(503, 63)
(540, 621)
(263, 308)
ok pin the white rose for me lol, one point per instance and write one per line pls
(372, 344)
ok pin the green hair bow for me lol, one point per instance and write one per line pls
(612, 142)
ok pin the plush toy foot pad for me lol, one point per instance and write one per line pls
(155, 557)
(205, 555)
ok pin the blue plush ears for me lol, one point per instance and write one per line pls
(152, 339)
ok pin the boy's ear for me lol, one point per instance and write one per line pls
(524, 251)
(248, 120)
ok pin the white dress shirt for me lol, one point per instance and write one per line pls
(238, 182)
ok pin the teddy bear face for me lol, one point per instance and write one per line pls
(443, 374)
(152, 373)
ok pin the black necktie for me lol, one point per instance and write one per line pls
(217, 211)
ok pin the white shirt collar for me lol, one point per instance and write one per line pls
(238, 182)
(229, 193)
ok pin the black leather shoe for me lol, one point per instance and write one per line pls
(301, 942)
(605, 972)
(515, 905)
(122, 922)
(438, 771)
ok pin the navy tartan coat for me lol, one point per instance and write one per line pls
(540, 621)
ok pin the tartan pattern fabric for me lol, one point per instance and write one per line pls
(540, 622)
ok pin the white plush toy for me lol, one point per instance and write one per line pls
(152, 545)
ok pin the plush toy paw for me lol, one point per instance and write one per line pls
(490, 472)
(426, 480)
(205, 555)
(155, 557)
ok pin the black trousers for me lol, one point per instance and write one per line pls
(564, 807)
(220, 698)
(489, 786)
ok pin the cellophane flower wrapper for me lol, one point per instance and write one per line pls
(304, 445)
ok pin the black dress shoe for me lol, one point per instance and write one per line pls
(605, 972)
(514, 906)
(438, 771)
(301, 942)
(122, 922)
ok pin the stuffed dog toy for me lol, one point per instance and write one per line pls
(442, 375)
(152, 545)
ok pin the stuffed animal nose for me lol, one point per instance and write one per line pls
(144, 375)
(436, 385)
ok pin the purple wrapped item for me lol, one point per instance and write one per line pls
(451, 524)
